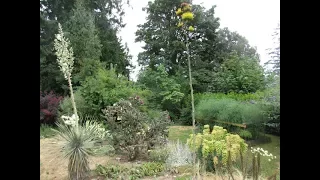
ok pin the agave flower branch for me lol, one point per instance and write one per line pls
(186, 16)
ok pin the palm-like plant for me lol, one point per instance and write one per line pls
(77, 139)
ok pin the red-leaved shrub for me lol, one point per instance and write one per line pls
(49, 104)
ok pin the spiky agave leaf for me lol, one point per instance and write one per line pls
(77, 144)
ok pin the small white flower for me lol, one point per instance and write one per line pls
(269, 160)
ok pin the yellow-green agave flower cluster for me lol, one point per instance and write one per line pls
(186, 15)
(218, 143)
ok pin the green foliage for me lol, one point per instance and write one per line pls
(233, 42)
(158, 154)
(133, 132)
(114, 54)
(218, 143)
(151, 168)
(46, 131)
(80, 29)
(153, 34)
(271, 98)
(104, 88)
(166, 92)
(84, 23)
(274, 52)
(66, 108)
(209, 47)
(119, 172)
(228, 110)
(245, 134)
(232, 95)
(111, 171)
(239, 74)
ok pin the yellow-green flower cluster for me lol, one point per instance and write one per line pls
(220, 142)
(198, 141)
(186, 7)
(186, 15)
(179, 12)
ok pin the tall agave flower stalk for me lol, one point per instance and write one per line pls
(186, 17)
(77, 139)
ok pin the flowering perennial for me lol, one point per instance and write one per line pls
(262, 152)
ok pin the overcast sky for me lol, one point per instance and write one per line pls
(253, 19)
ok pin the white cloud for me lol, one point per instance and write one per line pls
(256, 20)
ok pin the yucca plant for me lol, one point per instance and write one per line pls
(77, 138)
(78, 142)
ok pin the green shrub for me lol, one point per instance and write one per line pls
(110, 171)
(151, 168)
(185, 116)
(158, 154)
(104, 88)
(166, 91)
(66, 108)
(132, 130)
(208, 110)
(236, 96)
(46, 131)
(245, 134)
(120, 172)
(228, 110)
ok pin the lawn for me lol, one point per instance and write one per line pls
(180, 133)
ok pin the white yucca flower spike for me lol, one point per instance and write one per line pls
(64, 53)
(72, 121)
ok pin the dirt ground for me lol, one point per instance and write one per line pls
(54, 166)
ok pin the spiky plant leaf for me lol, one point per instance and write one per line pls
(77, 143)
